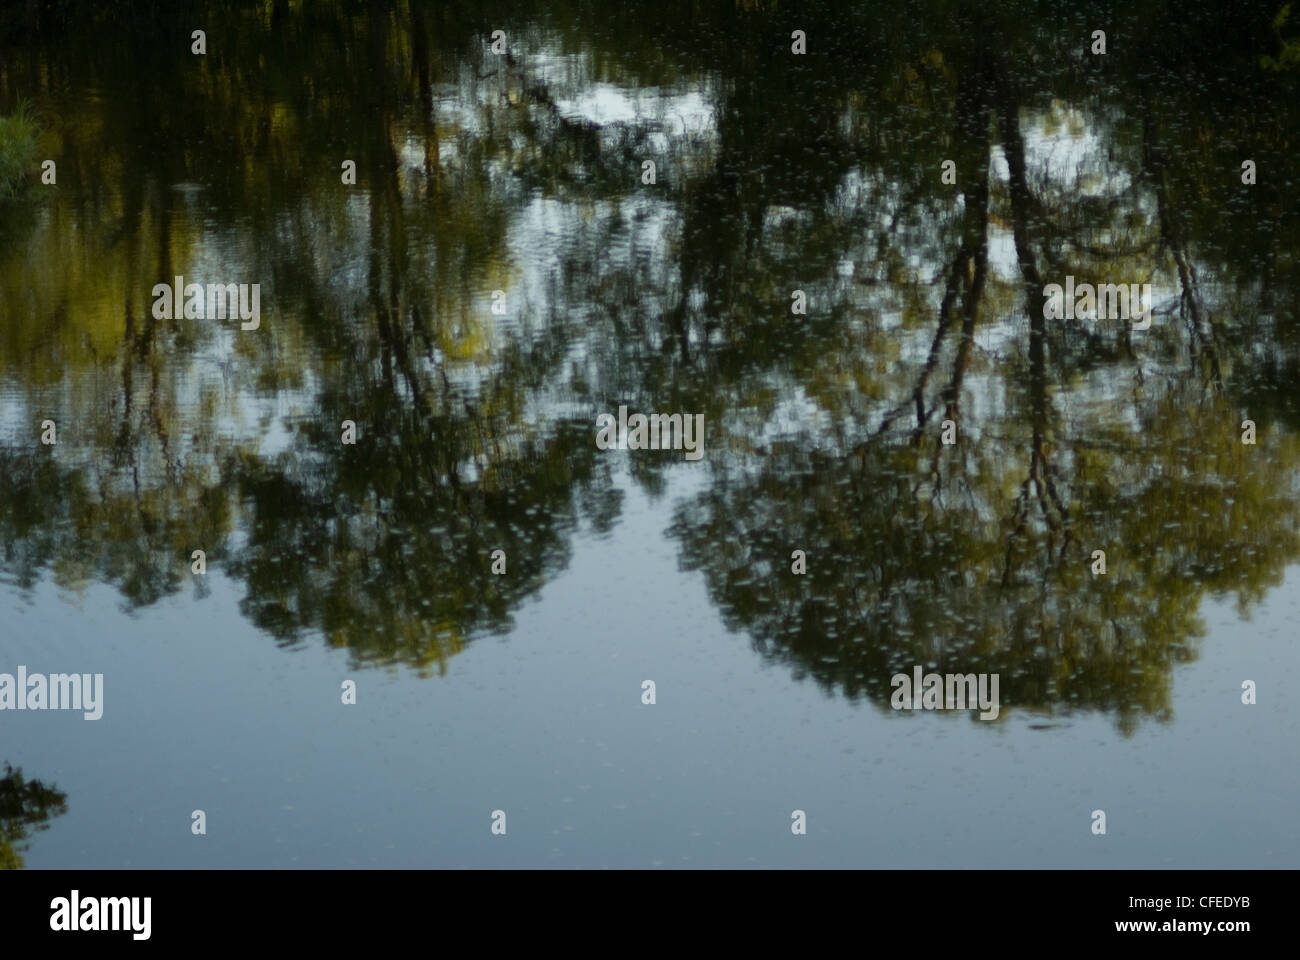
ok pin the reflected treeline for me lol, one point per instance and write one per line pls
(521, 174)
(26, 806)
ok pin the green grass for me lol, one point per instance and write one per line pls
(18, 149)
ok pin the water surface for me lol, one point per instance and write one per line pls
(518, 180)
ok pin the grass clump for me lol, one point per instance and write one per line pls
(19, 133)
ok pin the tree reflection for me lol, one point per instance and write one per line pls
(25, 806)
(480, 173)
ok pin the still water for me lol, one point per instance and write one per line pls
(518, 181)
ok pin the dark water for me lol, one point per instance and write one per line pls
(475, 431)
